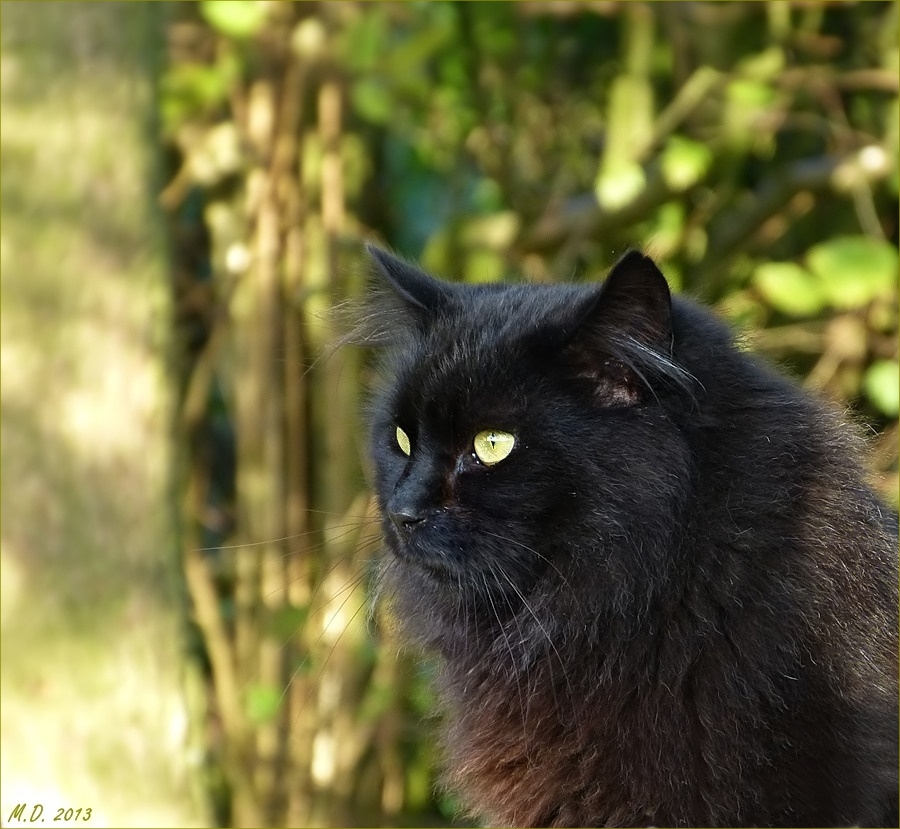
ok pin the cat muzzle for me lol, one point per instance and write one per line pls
(406, 519)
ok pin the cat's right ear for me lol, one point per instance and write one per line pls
(420, 293)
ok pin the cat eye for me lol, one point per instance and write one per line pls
(403, 441)
(492, 446)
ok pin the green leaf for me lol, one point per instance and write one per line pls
(789, 288)
(620, 184)
(664, 232)
(496, 230)
(765, 65)
(882, 386)
(685, 162)
(854, 270)
(629, 119)
(746, 102)
(363, 41)
(484, 265)
(750, 94)
(188, 90)
(262, 703)
(407, 61)
(372, 100)
(236, 18)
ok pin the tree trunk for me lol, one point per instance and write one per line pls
(95, 679)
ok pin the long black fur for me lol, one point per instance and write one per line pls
(674, 603)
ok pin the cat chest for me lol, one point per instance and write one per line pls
(598, 763)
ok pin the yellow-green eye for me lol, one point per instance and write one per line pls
(403, 441)
(492, 445)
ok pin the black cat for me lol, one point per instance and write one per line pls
(659, 587)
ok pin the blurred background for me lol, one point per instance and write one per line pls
(186, 525)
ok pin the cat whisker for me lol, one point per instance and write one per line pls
(314, 685)
(530, 550)
(349, 586)
(526, 663)
(512, 657)
(540, 624)
(361, 546)
(282, 539)
(331, 541)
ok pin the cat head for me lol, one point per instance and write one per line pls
(521, 430)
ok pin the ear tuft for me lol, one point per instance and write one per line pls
(421, 292)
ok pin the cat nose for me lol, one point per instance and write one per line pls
(405, 519)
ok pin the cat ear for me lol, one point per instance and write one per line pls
(635, 303)
(420, 292)
(622, 335)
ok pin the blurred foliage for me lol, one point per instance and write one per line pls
(750, 147)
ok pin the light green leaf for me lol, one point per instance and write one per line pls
(749, 94)
(236, 18)
(629, 119)
(685, 162)
(746, 102)
(620, 184)
(496, 230)
(484, 265)
(262, 703)
(189, 90)
(765, 65)
(854, 270)
(665, 231)
(882, 386)
(789, 288)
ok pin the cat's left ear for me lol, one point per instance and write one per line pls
(634, 302)
(622, 334)
(421, 293)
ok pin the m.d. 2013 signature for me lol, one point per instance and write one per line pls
(36, 815)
